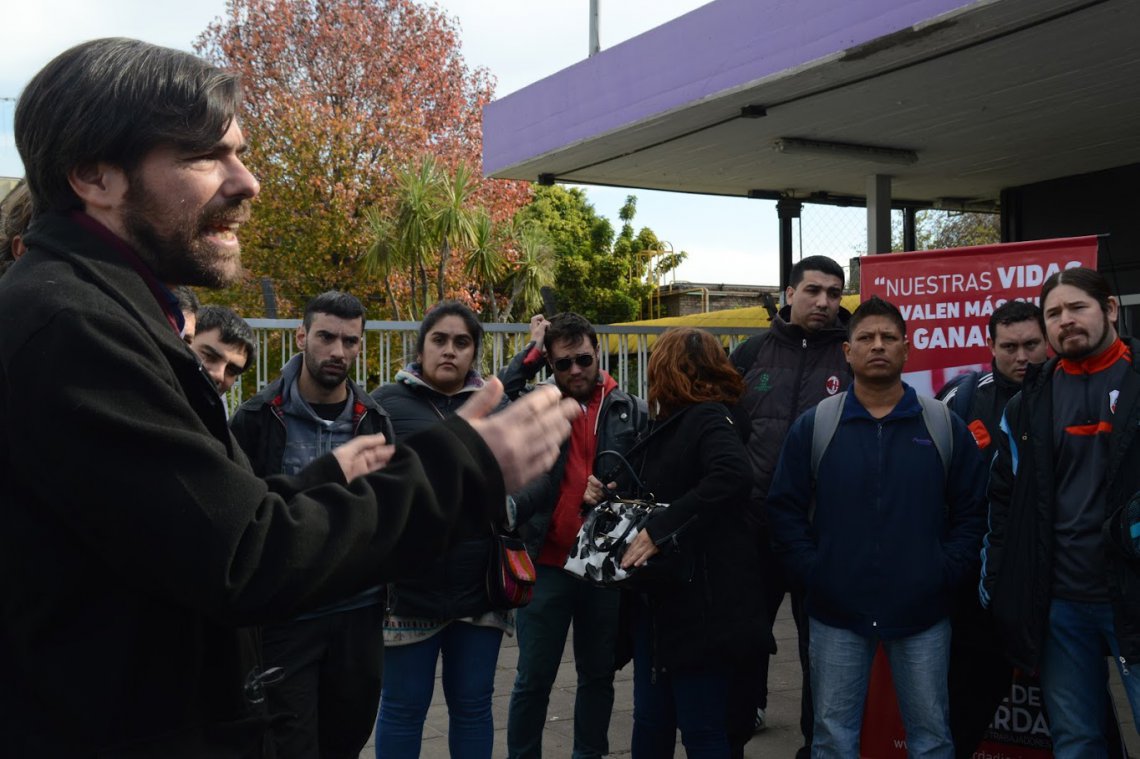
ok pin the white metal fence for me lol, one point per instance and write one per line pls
(389, 345)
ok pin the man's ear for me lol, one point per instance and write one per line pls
(300, 337)
(100, 186)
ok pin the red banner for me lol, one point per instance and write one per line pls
(947, 296)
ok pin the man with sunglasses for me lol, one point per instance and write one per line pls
(550, 513)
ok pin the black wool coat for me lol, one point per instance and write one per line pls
(695, 461)
(137, 543)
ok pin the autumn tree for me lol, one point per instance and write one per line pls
(339, 96)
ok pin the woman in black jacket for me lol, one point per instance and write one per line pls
(689, 634)
(445, 612)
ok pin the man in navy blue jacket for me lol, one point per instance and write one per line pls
(880, 536)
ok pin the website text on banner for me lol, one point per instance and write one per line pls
(947, 297)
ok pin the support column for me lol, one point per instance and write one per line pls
(787, 209)
(910, 228)
(878, 213)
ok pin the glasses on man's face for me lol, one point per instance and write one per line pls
(583, 360)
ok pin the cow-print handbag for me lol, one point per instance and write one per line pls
(605, 535)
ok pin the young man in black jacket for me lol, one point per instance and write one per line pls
(138, 546)
(980, 675)
(330, 657)
(1057, 563)
(787, 370)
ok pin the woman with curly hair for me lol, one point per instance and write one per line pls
(689, 633)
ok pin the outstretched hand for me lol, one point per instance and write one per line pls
(525, 437)
(362, 455)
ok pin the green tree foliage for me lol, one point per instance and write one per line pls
(936, 230)
(600, 275)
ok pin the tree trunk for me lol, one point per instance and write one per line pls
(444, 255)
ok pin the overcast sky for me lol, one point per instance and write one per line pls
(729, 240)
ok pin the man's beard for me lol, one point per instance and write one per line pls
(1093, 348)
(583, 395)
(321, 377)
(182, 256)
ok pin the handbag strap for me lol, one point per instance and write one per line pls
(623, 460)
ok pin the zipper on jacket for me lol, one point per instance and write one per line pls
(799, 381)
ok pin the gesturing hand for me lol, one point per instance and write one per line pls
(524, 437)
(362, 455)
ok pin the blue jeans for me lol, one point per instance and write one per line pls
(840, 670)
(470, 654)
(1074, 677)
(541, 628)
(697, 702)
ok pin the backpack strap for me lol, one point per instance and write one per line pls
(827, 413)
(936, 417)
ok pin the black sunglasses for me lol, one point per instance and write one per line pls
(582, 359)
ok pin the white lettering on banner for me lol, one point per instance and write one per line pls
(1030, 275)
(921, 311)
(935, 284)
(1016, 719)
(932, 338)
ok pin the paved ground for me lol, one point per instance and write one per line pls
(780, 740)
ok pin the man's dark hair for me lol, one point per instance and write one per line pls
(232, 329)
(568, 327)
(15, 215)
(1089, 281)
(451, 308)
(815, 263)
(1015, 312)
(334, 303)
(876, 306)
(114, 100)
(188, 302)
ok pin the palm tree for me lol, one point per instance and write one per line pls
(485, 263)
(384, 256)
(453, 222)
(534, 269)
(415, 222)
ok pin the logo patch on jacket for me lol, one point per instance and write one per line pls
(1113, 397)
(763, 384)
(832, 385)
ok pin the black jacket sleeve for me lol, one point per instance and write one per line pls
(138, 479)
(522, 369)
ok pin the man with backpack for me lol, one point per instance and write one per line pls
(876, 509)
(980, 674)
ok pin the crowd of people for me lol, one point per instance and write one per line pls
(283, 580)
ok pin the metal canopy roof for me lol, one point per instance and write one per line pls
(989, 94)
